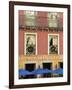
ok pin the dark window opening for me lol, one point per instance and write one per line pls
(51, 42)
(30, 67)
(61, 65)
(49, 67)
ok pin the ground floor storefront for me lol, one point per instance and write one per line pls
(37, 64)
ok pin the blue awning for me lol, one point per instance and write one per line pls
(58, 71)
(40, 71)
(23, 72)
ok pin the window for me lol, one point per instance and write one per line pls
(53, 44)
(48, 66)
(30, 45)
(30, 18)
(29, 67)
(52, 20)
(61, 65)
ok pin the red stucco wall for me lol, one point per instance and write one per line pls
(42, 21)
(61, 42)
(21, 42)
(42, 37)
(42, 42)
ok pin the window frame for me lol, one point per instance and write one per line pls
(50, 20)
(33, 20)
(25, 41)
(58, 44)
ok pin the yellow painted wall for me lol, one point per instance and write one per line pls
(39, 59)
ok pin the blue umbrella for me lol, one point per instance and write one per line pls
(41, 71)
(23, 72)
(58, 71)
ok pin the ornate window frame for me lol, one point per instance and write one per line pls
(58, 43)
(25, 41)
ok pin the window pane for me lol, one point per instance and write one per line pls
(52, 20)
(53, 44)
(30, 18)
(30, 44)
(29, 13)
(29, 22)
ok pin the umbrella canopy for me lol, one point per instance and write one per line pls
(24, 72)
(58, 71)
(41, 71)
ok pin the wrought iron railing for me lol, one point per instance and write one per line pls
(38, 25)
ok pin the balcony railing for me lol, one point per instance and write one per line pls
(41, 28)
(38, 23)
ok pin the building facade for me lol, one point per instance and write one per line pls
(40, 40)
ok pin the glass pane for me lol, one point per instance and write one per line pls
(53, 44)
(29, 18)
(30, 44)
(52, 19)
(30, 14)
(30, 22)
(52, 23)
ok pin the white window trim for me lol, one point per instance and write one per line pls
(25, 41)
(29, 62)
(48, 42)
(47, 61)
